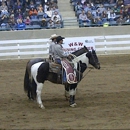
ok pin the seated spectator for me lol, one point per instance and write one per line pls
(19, 6)
(4, 20)
(32, 5)
(46, 6)
(27, 20)
(87, 8)
(111, 15)
(54, 9)
(20, 25)
(89, 16)
(12, 22)
(120, 20)
(101, 8)
(116, 10)
(98, 21)
(56, 17)
(4, 11)
(57, 22)
(83, 19)
(33, 13)
(3, 6)
(78, 6)
(40, 8)
(104, 17)
(50, 24)
(127, 19)
(19, 14)
(49, 12)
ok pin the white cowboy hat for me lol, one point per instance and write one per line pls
(53, 36)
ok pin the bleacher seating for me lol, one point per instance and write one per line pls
(38, 18)
(115, 12)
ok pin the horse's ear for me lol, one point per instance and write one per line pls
(86, 48)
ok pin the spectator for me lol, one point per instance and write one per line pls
(3, 6)
(78, 7)
(4, 11)
(120, 20)
(87, 8)
(104, 16)
(12, 22)
(57, 22)
(19, 14)
(56, 17)
(127, 19)
(32, 5)
(20, 25)
(49, 12)
(40, 8)
(50, 24)
(83, 19)
(54, 9)
(111, 15)
(4, 20)
(27, 20)
(33, 13)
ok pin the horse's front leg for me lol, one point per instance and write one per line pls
(72, 93)
(39, 91)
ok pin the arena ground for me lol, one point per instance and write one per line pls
(103, 99)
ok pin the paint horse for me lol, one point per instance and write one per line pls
(39, 70)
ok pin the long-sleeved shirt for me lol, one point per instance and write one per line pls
(58, 52)
(51, 48)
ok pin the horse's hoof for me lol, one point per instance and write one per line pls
(73, 105)
(41, 106)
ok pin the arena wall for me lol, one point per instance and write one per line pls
(34, 43)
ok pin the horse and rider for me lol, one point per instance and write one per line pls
(57, 55)
(39, 70)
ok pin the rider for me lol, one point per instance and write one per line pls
(60, 56)
(58, 50)
(59, 53)
(51, 47)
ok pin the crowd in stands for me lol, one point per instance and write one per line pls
(29, 14)
(102, 12)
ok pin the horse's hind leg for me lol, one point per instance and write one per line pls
(38, 91)
(67, 91)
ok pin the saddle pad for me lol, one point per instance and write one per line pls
(70, 73)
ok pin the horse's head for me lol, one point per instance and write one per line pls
(93, 59)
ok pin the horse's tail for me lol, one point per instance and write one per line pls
(26, 81)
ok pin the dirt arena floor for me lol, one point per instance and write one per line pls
(103, 99)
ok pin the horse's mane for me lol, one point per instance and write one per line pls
(80, 51)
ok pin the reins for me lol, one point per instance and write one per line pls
(87, 72)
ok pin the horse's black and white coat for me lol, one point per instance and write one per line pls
(37, 72)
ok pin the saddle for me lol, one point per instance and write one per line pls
(70, 73)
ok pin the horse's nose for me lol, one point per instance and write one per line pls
(98, 66)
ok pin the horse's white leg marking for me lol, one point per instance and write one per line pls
(39, 90)
(72, 92)
(34, 69)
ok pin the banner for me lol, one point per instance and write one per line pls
(72, 44)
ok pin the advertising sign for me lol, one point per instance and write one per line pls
(72, 44)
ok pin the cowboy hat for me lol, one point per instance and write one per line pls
(53, 36)
(59, 38)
